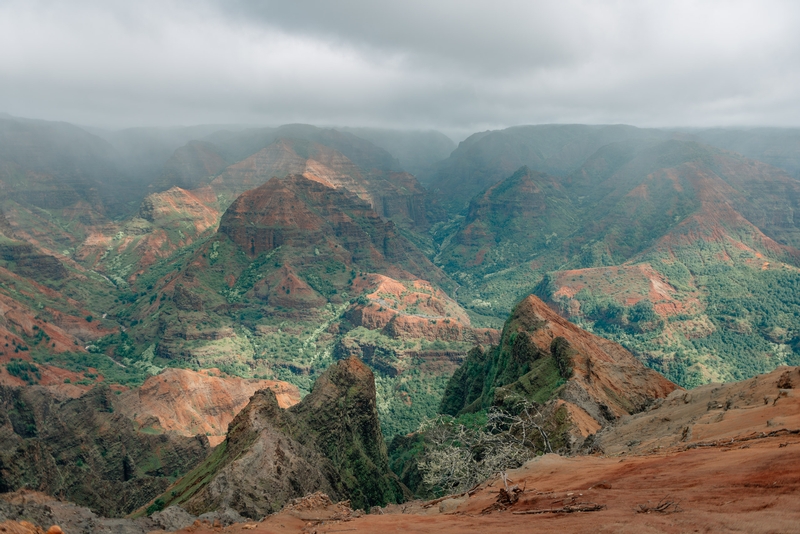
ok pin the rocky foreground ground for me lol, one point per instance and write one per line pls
(714, 489)
(720, 458)
(735, 469)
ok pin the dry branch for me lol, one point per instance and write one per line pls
(568, 509)
(664, 506)
(508, 496)
(738, 439)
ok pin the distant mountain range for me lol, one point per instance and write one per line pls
(272, 252)
(704, 238)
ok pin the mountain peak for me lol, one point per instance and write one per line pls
(331, 441)
(580, 381)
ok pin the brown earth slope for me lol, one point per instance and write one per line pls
(711, 415)
(411, 310)
(303, 211)
(83, 450)
(35, 315)
(188, 403)
(166, 222)
(607, 382)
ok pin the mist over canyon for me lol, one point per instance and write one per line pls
(435, 268)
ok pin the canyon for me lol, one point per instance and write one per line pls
(192, 315)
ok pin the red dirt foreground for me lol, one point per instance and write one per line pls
(739, 473)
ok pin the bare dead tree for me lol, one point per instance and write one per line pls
(457, 458)
(522, 423)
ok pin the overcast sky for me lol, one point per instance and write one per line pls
(457, 66)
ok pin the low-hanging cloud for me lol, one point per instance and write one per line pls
(453, 65)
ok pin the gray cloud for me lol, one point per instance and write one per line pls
(453, 65)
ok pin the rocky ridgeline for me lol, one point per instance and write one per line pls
(299, 209)
(320, 223)
(31, 512)
(188, 403)
(580, 382)
(391, 194)
(330, 442)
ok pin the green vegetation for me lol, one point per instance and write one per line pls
(631, 203)
(190, 483)
(407, 400)
(602, 204)
(515, 369)
(82, 362)
(157, 506)
(747, 323)
(23, 370)
(409, 389)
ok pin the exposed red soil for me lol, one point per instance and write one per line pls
(23, 527)
(390, 194)
(191, 402)
(189, 206)
(51, 377)
(717, 490)
(279, 159)
(711, 413)
(284, 288)
(717, 220)
(627, 284)
(525, 195)
(22, 319)
(746, 482)
(413, 310)
(189, 212)
(64, 333)
(297, 209)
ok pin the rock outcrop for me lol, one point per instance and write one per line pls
(409, 309)
(392, 194)
(25, 260)
(307, 213)
(5, 228)
(330, 442)
(180, 208)
(32, 512)
(582, 382)
(165, 223)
